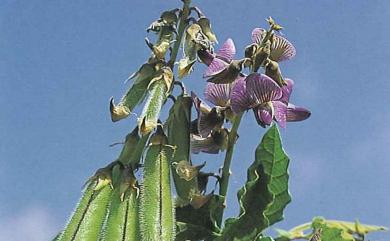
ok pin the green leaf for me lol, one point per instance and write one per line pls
(186, 231)
(330, 230)
(199, 223)
(156, 211)
(265, 194)
(343, 230)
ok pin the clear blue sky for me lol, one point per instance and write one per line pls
(60, 61)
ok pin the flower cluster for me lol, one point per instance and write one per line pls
(233, 92)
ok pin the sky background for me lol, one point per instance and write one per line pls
(61, 61)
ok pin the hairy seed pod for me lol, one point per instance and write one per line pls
(135, 94)
(158, 90)
(89, 216)
(157, 211)
(129, 147)
(122, 220)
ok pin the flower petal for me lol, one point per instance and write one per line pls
(239, 98)
(280, 113)
(286, 90)
(282, 49)
(207, 122)
(200, 144)
(296, 113)
(257, 35)
(212, 144)
(263, 115)
(227, 51)
(216, 67)
(262, 89)
(218, 94)
(205, 56)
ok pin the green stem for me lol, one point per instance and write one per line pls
(182, 25)
(224, 182)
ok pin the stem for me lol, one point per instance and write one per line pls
(224, 182)
(185, 12)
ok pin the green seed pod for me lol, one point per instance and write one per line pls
(135, 94)
(157, 211)
(129, 147)
(179, 125)
(88, 218)
(122, 220)
(158, 89)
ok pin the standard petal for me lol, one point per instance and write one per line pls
(257, 35)
(262, 89)
(281, 49)
(227, 51)
(218, 94)
(280, 113)
(216, 67)
(286, 90)
(263, 115)
(296, 113)
(239, 99)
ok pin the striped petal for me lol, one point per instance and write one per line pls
(282, 49)
(280, 113)
(257, 35)
(263, 115)
(286, 90)
(216, 67)
(239, 99)
(262, 89)
(227, 51)
(218, 94)
(295, 113)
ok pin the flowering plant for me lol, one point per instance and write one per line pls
(117, 205)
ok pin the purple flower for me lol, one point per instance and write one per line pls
(222, 69)
(268, 101)
(281, 48)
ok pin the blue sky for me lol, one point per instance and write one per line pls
(62, 60)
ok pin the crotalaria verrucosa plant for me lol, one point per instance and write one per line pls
(170, 199)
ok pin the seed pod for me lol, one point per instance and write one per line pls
(158, 89)
(88, 218)
(135, 94)
(179, 125)
(122, 220)
(129, 147)
(157, 211)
